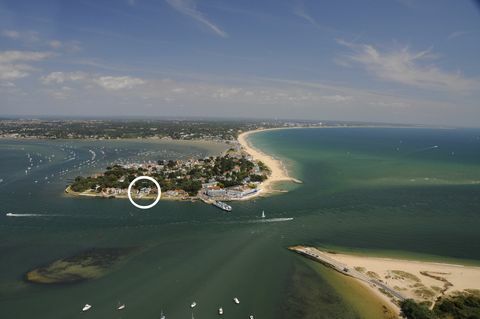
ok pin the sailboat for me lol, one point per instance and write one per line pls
(263, 214)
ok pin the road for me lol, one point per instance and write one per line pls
(325, 259)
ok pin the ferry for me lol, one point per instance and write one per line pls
(223, 206)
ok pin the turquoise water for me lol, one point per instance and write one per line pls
(380, 191)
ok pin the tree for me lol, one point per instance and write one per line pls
(413, 310)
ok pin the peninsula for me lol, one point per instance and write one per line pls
(242, 172)
(406, 285)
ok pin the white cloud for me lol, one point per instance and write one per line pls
(69, 46)
(189, 8)
(118, 82)
(457, 34)
(26, 36)
(301, 12)
(106, 82)
(407, 67)
(337, 98)
(13, 63)
(61, 77)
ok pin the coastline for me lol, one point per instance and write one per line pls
(422, 281)
(278, 170)
(278, 173)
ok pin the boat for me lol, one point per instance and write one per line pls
(162, 316)
(193, 304)
(263, 214)
(223, 206)
(220, 311)
(236, 300)
(120, 306)
(10, 214)
(86, 307)
(251, 317)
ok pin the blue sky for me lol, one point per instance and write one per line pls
(407, 61)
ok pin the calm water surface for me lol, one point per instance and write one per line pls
(397, 192)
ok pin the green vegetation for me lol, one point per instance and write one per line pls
(413, 310)
(461, 306)
(114, 129)
(458, 306)
(406, 275)
(228, 170)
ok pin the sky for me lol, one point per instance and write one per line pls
(399, 61)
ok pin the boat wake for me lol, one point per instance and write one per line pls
(271, 220)
(30, 215)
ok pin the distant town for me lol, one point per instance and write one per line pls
(178, 129)
(231, 176)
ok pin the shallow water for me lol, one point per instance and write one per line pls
(380, 191)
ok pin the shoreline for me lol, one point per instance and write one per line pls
(278, 170)
(422, 281)
(278, 173)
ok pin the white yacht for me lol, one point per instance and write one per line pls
(236, 300)
(193, 304)
(220, 311)
(86, 307)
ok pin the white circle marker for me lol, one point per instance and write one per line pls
(159, 194)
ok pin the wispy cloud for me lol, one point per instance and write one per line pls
(300, 11)
(118, 82)
(16, 64)
(25, 36)
(189, 8)
(112, 83)
(408, 67)
(69, 46)
(457, 34)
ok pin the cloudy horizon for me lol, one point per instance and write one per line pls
(391, 61)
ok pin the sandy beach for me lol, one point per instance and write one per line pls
(278, 171)
(422, 281)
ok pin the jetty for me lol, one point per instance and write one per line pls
(344, 269)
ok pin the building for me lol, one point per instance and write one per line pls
(215, 191)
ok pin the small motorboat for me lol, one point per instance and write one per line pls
(120, 306)
(86, 307)
(193, 304)
(162, 316)
(236, 300)
(251, 317)
(220, 311)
